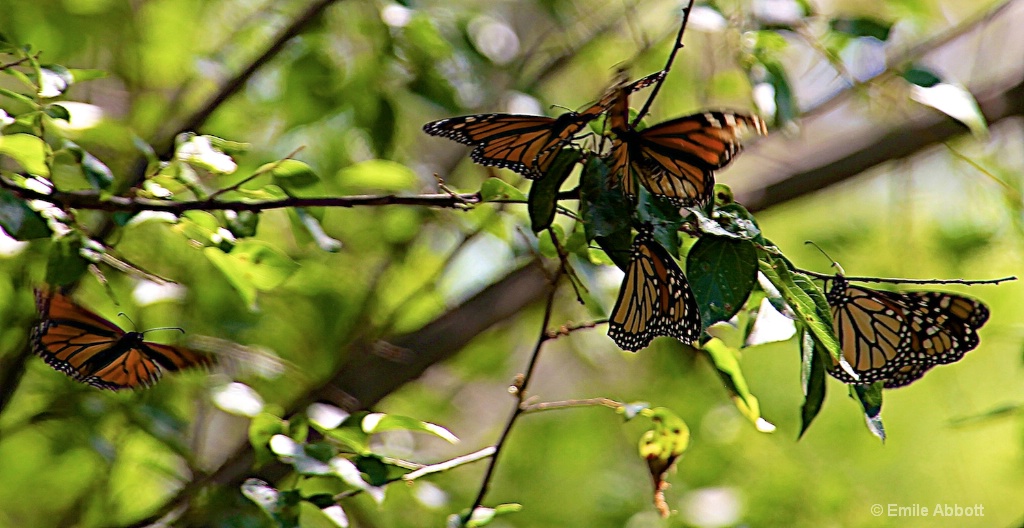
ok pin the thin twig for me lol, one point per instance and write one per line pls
(520, 393)
(565, 404)
(569, 328)
(966, 282)
(259, 172)
(450, 464)
(668, 65)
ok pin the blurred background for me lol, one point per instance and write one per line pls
(855, 161)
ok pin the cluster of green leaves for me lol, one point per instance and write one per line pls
(330, 452)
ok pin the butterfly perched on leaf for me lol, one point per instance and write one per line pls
(678, 158)
(93, 350)
(526, 144)
(655, 299)
(897, 337)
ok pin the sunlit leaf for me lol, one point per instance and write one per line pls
(728, 366)
(311, 516)
(955, 101)
(252, 266)
(262, 428)
(238, 399)
(494, 189)
(379, 422)
(29, 151)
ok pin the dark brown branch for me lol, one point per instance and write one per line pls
(569, 328)
(93, 201)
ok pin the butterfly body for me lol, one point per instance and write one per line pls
(654, 300)
(897, 337)
(91, 349)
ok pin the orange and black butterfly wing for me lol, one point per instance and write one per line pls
(71, 339)
(944, 326)
(522, 143)
(91, 349)
(872, 330)
(141, 363)
(897, 337)
(619, 157)
(654, 300)
(677, 158)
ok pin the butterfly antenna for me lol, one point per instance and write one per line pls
(839, 269)
(178, 328)
(122, 314)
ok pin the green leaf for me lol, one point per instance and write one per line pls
(606, 212)
(29, 151)
(261, 429)
(482, 516)
(617, 246)
(65, 264)
(777, 272)
(786, 109)
(722, 272)
(242, 224)
(378, 174)
(252, 266)
(82, 75)
(494, 189)
(863, 27)
(921, 76)
(96, 172)
(350, 435)
(56, 111)
(725, 361)
(19, 220)
(294, 177)
(264, 495)
(812, 376)
(374, 468)
(312, 516)
(955, 101)
(544, 192)
(53, 80)
(663, 444)
(870, 398)
(380, 422)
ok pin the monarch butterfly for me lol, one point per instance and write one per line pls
(523, 143)
(93, 350)
(897, 337)
(654, 300)
(677, 158)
